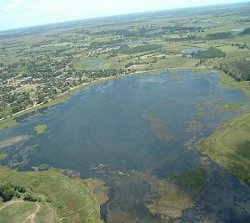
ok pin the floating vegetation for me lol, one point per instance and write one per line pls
(201, 113)
(203, 106)
(170, 196)
(14, 140)
(3, 156)
(21, 156)
(230, 106)
(40, 129)
(189, 144)
(158, 127)
(128, 200)
(193, 127)
(170, 201)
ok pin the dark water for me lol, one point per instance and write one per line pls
(140, 123)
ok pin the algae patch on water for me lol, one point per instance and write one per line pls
(3, 156)
(40, 129)
(158, 127)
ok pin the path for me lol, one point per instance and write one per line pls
(31, 217)
(10, 203)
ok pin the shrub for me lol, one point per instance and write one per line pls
(29, 196)
(7, 192)
(211, 52)
(239, 70)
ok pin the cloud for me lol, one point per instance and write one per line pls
(12, 5)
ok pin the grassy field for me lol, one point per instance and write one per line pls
(17, 212)
(72, 200)
(91, 63)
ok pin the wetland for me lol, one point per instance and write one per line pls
(138, 134)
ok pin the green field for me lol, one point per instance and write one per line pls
(16, 212)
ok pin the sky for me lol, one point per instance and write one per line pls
(22, 13)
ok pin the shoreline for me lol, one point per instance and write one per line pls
(225, 81)
(10, 121)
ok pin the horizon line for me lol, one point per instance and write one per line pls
(123, 14)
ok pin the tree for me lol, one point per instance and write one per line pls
(7, 192)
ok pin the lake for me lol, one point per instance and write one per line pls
(125, 129)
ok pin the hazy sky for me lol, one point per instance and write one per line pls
(21, 13)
